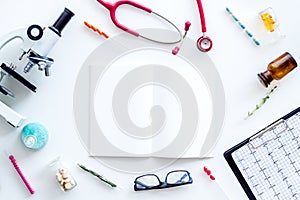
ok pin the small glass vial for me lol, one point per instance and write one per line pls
(269, 19)
(277, 69)
(63, 176)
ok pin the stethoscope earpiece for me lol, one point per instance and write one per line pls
(204, 43)
(186, 29)
(175, 50)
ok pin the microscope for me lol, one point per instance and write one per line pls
(36, 43)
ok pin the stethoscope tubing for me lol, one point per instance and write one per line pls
(112, 7)
(171, 23)
(202, 17)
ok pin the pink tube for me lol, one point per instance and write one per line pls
(16, 166)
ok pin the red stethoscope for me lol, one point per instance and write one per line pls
(204, 43)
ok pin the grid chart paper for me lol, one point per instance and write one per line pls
(270, 162)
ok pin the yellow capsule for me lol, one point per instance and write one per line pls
(268, 21)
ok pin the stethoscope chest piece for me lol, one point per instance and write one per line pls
(204, 43)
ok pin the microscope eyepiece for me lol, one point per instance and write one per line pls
(62, 21)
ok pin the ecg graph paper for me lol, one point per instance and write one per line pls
(270, 163)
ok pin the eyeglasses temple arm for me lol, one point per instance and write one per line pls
(142, 184)
(183, 177)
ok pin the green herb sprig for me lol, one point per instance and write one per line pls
(98, 176)
(261, 103)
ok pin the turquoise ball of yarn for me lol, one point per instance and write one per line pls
(34, 136)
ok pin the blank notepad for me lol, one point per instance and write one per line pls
(267, 165)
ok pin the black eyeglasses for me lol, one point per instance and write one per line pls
(173, 179)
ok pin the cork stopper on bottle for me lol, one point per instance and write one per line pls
(265, 78)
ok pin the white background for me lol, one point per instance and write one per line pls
(236, 57)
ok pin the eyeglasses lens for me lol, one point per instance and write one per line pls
(178, 177)
(147, 181)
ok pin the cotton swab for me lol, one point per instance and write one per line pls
(212, 181)
(250, 35)
(208, 173)
(90, 26)
(17, 168)
(98, 176)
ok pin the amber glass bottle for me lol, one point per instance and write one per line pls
(277, 69)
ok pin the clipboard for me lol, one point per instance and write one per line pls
(267, 164)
